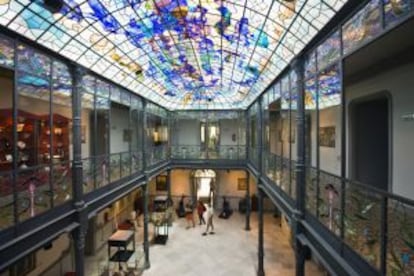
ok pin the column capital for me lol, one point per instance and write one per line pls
(77, 71)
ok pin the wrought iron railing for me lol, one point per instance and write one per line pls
(37, 188)
(228, 152)
(99, 171)
(156, 154)
(378, 225)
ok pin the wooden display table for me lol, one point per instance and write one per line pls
(121, 239)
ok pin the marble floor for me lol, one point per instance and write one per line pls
(231, 251)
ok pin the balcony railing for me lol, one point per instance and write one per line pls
(156, 154)
(228, 152)
(101, 170)
(377, 225)
(38, 189)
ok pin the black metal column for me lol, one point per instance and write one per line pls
(145, 186)
(246, 113)
(79, 233)
(146, 221)
(300, 249)
(260, 269)
(248, 201)
(169, 185)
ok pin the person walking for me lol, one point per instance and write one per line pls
(210, 214)
(200, 211)
(189, 215)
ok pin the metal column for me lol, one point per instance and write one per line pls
(248, 201)
(300, 249)
(79, 233)
(169, 185)
(145, 186)
(146, 221)
(260, 270)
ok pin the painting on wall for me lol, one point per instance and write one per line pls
(327, 136)
(242, 184)
(161, 183)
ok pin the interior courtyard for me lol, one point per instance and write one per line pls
(206, 137)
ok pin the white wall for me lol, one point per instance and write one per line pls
(330, 158)
(119, 123)
(227, 129)
(399, 83)
(187, 132)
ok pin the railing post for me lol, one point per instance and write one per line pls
(298, 215)
(146, 221)
(259, 152)
(247, 201)
(260, 270)
(384, 234)
(78, 233)
(169, 185)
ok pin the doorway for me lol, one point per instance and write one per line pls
(370, 141)
(210, 138)
(205, 185)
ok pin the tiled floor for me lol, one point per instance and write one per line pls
(230, 251)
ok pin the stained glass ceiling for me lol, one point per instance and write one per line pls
(182, 54)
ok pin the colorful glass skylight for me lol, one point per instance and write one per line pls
(182, 54)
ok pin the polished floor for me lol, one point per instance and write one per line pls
(230, 251)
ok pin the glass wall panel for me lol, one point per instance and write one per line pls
(285, 133)
(362, 27)
(87, 129)
(292, 132)
(34, 128)
(136, 134)
(120, 135)
(329, 133)
(104, 165)
(329, 103)
(311, 126)
(61, 133)
(6, 148)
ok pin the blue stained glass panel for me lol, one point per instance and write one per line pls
(6, 52)
(394, 10)
(33, 63)
(362, 26)
(181, 53)
(329, 88)
(329, 51)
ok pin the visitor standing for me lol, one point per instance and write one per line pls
(189, 215)
(210, 214)
(200, 211)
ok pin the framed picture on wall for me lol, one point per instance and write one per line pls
(161, 183)
(327, 136)
(242, 184)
